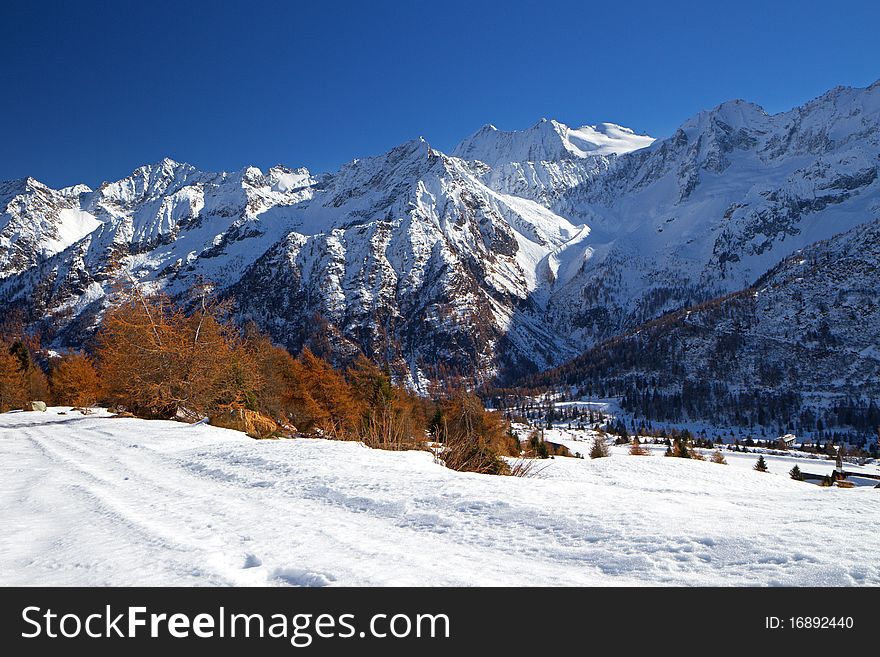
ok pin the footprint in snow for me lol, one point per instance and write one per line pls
(300, 577)
(252, 561)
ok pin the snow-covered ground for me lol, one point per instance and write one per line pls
(778, 462)
(97, 500)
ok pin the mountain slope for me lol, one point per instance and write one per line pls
(708, 210)
(38, 222)
(544, 161)
(514, 254)
(421, 263)
(797, 351)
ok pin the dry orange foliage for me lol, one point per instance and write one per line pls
(75, 382)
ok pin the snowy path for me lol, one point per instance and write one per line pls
(95, 500)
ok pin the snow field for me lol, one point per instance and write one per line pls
(97, 500)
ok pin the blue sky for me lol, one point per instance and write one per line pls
(93, 90)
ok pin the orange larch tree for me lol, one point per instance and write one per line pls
(13, 383)
(75, 381)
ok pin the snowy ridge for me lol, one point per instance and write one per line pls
(418, 245)
(544, 161)
(549, 141)
(514, 254)
(796, 352)
(38, 222)
(708, 210)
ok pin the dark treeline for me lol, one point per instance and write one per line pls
(551, 408)
(680, 368)
(761, 413)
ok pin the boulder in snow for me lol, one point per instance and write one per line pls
(254, 424)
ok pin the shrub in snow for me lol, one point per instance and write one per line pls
(599, 449)
(761, 465)
(718, 457)
(683, 448)
(473, 438)
(254, 424)
(537, 448)
(636, 449)
(524, 468)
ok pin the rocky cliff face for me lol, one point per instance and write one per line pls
(410, 258)
(38, 222)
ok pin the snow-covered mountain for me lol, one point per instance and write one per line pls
(708, 210)
(408, 255)
(549, 141)
(516, 252)
(546, 160)
(382, 250)
(796, 351)
(38, 222)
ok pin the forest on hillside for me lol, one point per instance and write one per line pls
(702, 364)
(154, 358)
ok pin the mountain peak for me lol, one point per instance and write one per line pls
(735, 113)
(846, 98)
(166, 167)
(16, 187)
(548, 140)
(148, 181)
(75, 190)
(32, 183)
(251, 174)
(549, 124)
(418, 147)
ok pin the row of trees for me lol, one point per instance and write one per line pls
(72, 379)
(156, 360)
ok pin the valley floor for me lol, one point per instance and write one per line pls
(97, 500)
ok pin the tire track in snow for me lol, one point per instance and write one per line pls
(160, 508)
(201, 505)
(163, 515)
